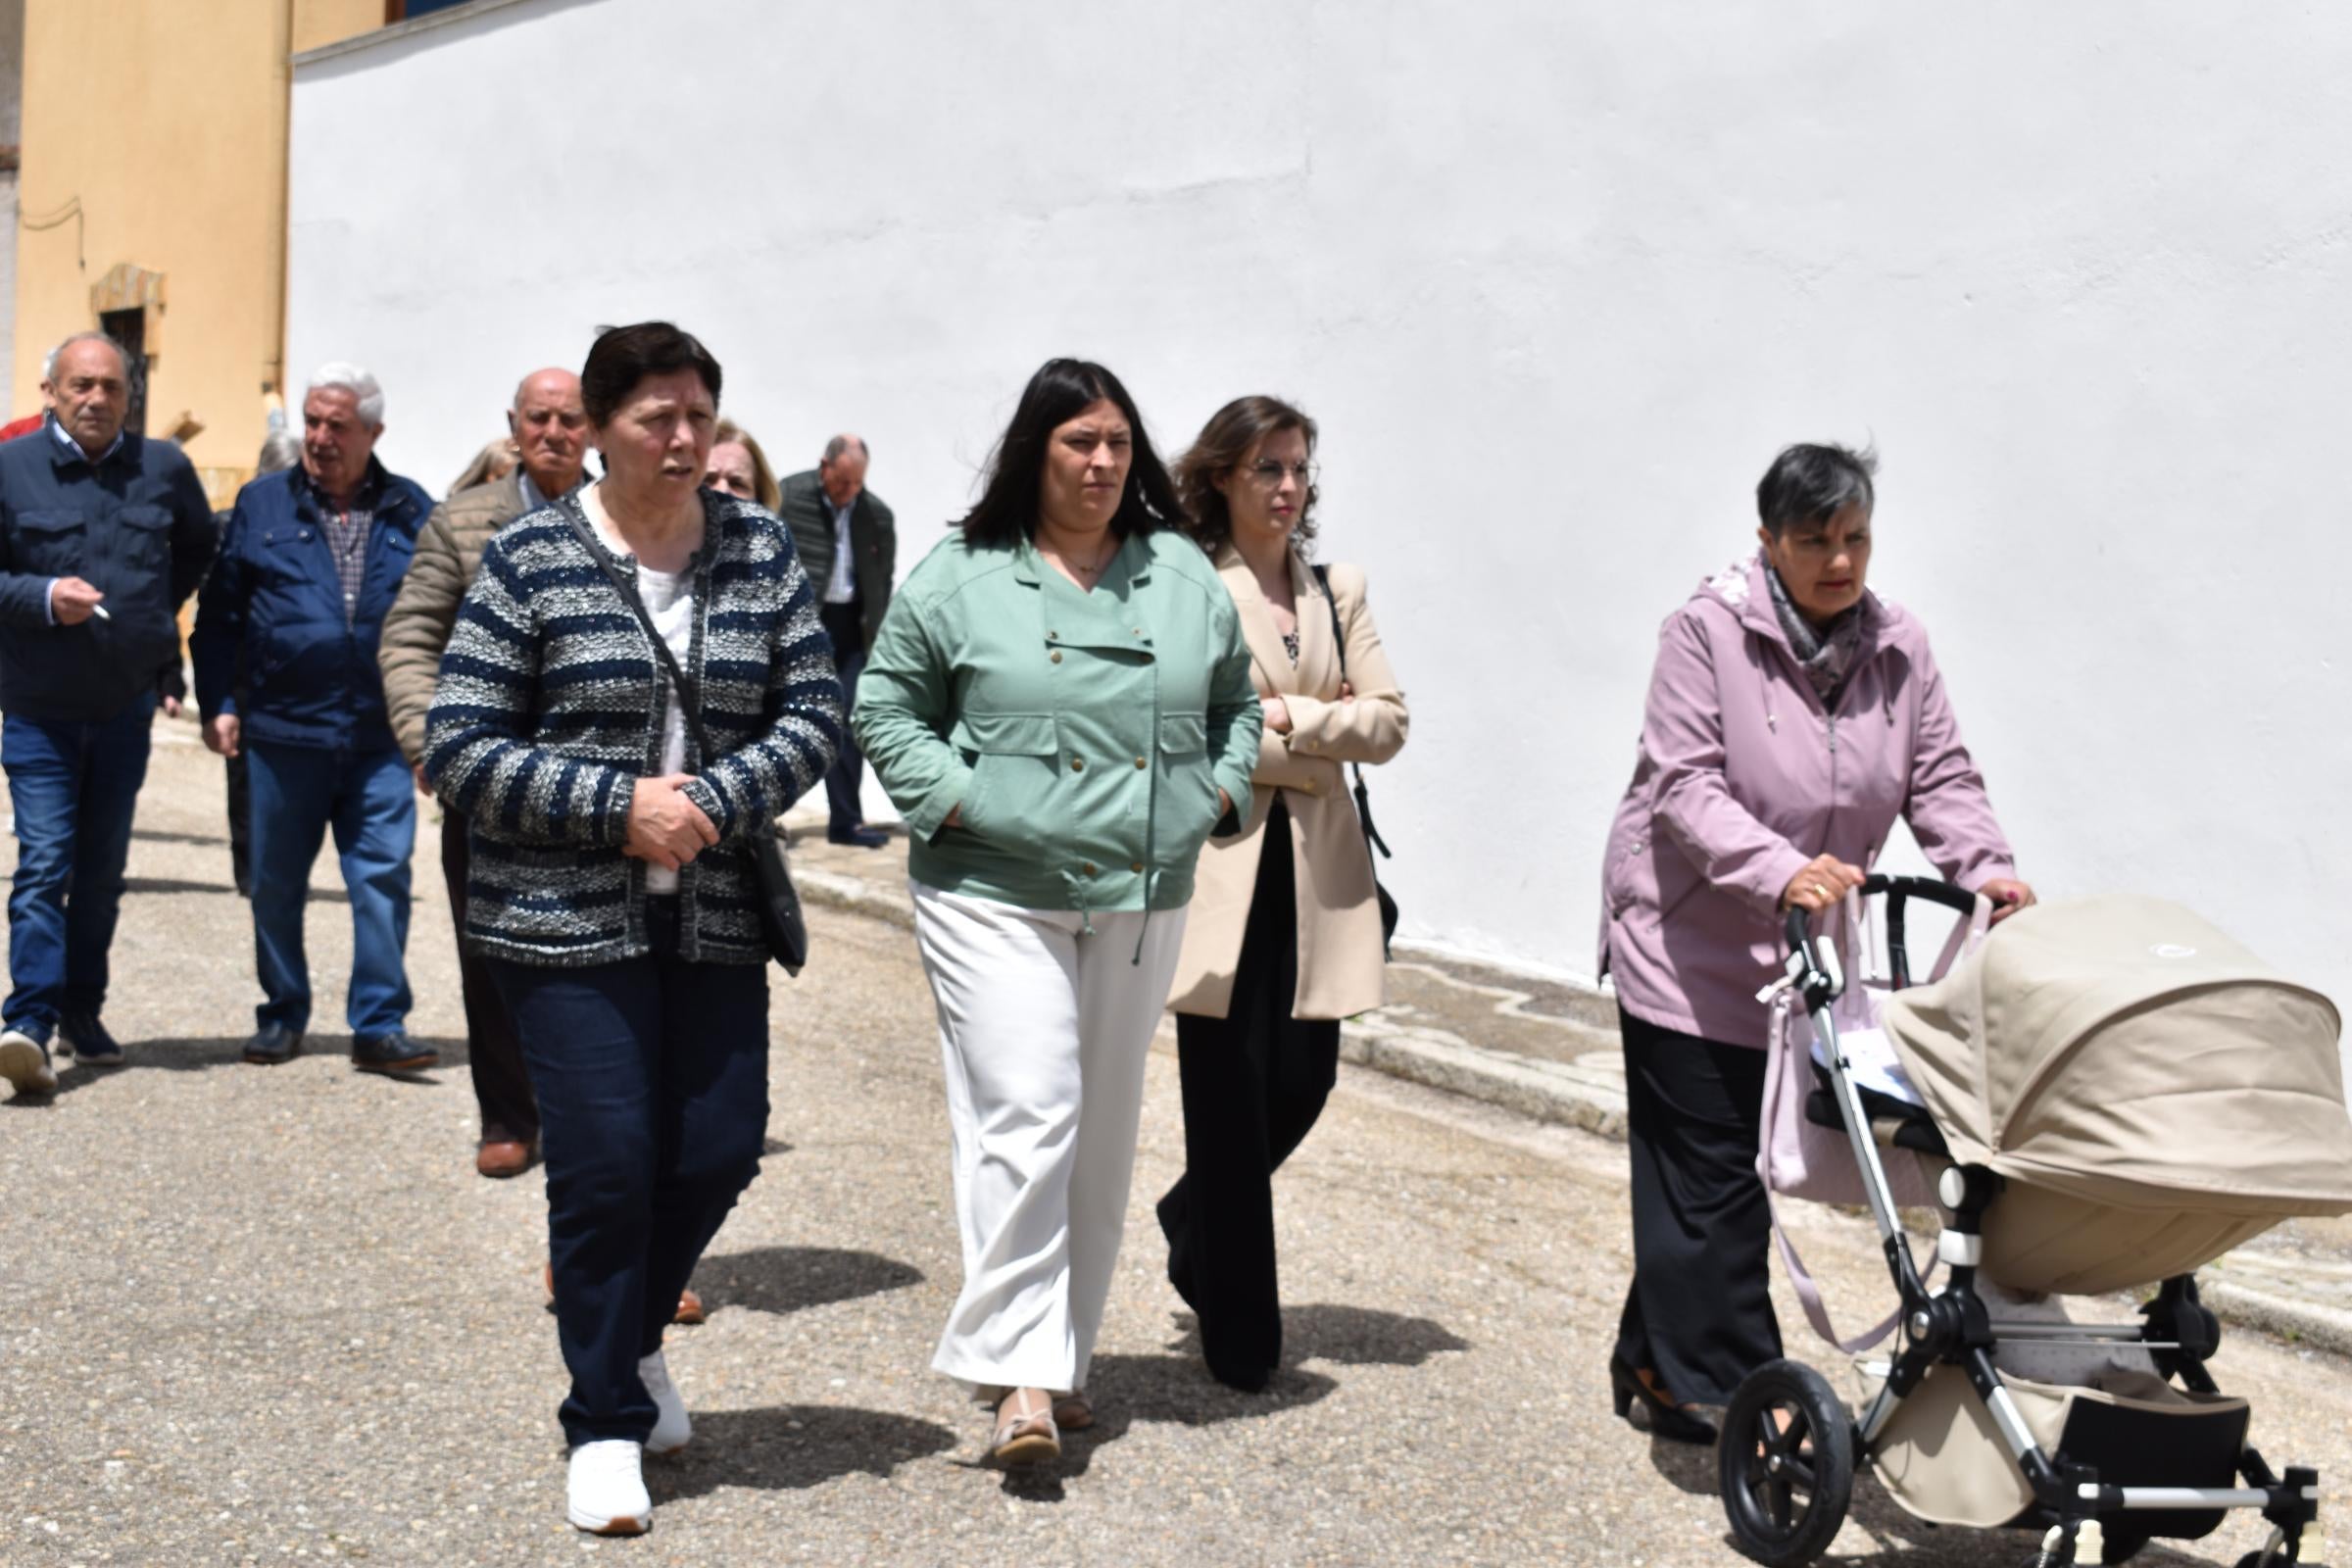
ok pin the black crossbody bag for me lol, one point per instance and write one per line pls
(781, 924)
(1364, 802)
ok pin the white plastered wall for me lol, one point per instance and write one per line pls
(1557, 280)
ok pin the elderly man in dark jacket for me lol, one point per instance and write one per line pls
(849, 545)
(309, 566)
(103, 535)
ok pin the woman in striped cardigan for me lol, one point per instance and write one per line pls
(612, 886)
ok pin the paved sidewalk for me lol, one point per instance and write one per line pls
(269, 1315)
(1548, 1049)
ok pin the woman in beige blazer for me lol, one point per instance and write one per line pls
(1284, 935)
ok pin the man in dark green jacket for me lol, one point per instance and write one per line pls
(849, 545)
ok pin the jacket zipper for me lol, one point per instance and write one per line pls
(1830, 823)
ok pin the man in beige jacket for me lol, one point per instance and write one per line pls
(551, 429)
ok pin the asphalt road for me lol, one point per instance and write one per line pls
(265, 1315)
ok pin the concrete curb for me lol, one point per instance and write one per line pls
(1569, 1095)
(1545, 1091)
(853, 894)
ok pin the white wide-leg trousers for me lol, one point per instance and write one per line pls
(1043, 1027)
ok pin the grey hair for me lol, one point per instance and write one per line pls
(281, 450)
(94, 335)
(1811, 483)
(841, 444)
(356, 381)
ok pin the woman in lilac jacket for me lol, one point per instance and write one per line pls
(1793, 716)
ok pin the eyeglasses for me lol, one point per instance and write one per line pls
(1268, 474)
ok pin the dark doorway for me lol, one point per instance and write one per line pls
(130, 328)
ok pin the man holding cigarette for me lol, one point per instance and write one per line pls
(103, 536)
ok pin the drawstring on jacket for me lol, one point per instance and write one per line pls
(1151, 818)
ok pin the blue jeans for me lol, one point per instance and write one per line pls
(652, 1076)
(74, 787)
(369, 799)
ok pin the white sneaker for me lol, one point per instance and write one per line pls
(25, 1063)
(606, 1488)
(671, 1426)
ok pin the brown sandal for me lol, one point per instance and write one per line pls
(1074, 1411)
(1026, 1431)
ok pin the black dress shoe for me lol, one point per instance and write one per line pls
(1669, 1421)
(273, 1044)
(93, 1046)
(862, 837)
(392, 1052)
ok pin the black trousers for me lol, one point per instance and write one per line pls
(845, 625)
(1700, 1310)
(502, 1084)
(1254, 1081)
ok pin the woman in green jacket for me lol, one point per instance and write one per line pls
(1059, 702)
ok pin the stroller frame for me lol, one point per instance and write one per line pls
(1953, 1327)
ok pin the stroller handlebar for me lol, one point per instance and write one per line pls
(1819, 985)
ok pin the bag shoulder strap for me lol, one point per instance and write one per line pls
(1331, 601)
(629, 597)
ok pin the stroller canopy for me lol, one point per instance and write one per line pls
(2121, 1050)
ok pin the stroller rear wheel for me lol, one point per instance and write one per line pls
(1785, 1464)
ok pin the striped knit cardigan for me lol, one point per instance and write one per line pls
(549, 709)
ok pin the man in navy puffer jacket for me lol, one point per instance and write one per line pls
(103, 534)
(310, 561)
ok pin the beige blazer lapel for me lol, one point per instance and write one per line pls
(1271, 661)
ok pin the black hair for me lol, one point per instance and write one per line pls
(1059, 391)
(1811, 484)
(624, 356)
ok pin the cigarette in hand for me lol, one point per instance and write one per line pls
(100, 611)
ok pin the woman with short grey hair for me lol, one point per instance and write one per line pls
(1792, 718)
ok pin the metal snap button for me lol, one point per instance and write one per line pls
(1077, 764)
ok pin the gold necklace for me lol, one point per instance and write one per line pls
(1095, 570)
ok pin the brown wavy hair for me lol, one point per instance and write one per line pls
(1223, 445)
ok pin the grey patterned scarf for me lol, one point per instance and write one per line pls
(1827, 654)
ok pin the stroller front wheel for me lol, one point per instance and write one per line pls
(1786, 1462)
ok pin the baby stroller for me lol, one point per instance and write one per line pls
(2111, 1094)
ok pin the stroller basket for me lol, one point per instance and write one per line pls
(2044, 1059)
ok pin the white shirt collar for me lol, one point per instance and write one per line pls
(70, 445)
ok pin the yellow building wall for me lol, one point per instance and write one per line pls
(318, 23)
(161, 125)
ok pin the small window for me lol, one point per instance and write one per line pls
(404, 10)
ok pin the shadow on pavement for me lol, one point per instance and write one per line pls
(1363, 1336)
(789, 1448)
(169, 884)
(153, 835)
(792, 1279)
(1177, 1387)
(183, 1053)
(1899, 1540)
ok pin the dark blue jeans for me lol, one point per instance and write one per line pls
(73, 786)
(369, 799)
(652, 1076)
